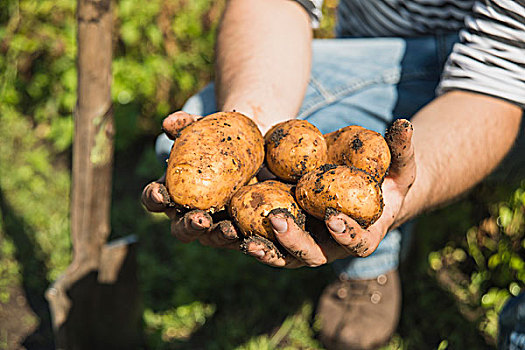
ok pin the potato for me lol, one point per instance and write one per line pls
(250, 206)
(211, 159)
(359, 147)
(349, 190)
(293, 148)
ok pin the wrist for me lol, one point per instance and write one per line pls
(264, 115)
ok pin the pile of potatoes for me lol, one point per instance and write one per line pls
(213, 163)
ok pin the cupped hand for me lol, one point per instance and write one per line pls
(348, 237)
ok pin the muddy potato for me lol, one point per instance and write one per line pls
(250, 206)
(211, 159)
(349, 190)
(359, 147)
(293, 148)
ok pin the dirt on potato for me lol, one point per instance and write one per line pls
(349, 190)
(252, 204)
(361, 148)
(293, 148)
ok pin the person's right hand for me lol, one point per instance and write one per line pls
(195, 224)
(339, 236)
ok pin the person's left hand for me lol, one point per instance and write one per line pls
(349, 239)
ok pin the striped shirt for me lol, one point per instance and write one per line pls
(490, 59)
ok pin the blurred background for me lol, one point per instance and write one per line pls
(466, 261)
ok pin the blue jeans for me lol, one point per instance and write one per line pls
(360, 81)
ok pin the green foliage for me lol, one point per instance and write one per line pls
(487, 267)
(36, 193)
(164, 54)
(37, 95)
(9, 270)
(175, 324)
(327, 25)
(39, 80)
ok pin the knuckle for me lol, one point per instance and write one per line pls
(359, 249)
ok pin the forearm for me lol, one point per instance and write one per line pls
(263, 59)
(459, 139)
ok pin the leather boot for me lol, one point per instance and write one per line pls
(360, 314)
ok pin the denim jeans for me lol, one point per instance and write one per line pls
(360, 81)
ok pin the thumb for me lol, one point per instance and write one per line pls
(399, 140)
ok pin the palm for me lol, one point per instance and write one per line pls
(393, 197)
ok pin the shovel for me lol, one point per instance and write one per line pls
(95, 304)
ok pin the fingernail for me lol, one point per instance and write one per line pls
(336, 225)
(196, 225)
(280, 225)
(158, 197)
(258, 253)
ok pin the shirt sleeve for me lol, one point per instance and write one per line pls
(313, 7)
(490, 58)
